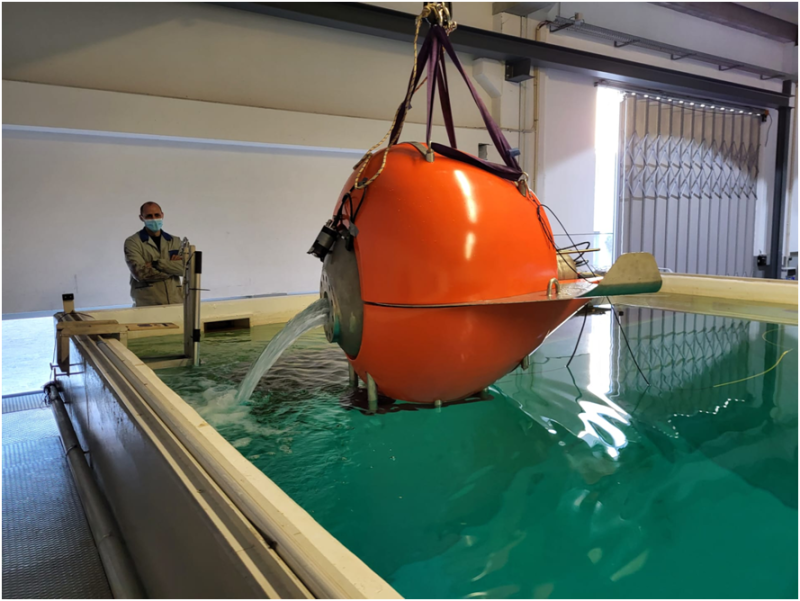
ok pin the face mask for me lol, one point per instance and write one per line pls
(153, 225)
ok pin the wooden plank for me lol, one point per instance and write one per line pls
(88, 328)
(85, 329)
(169, 363)
(578, 252)
(140, 327)
(62, 324)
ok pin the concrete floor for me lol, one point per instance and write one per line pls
(28, 346)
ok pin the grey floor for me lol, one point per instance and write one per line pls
(48, 551)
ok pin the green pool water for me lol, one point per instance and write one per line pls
(579, 482)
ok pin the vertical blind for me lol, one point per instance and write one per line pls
(687, 184)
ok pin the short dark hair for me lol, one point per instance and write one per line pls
(148, 203)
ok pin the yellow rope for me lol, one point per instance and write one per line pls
(443, 17)
(764, 337)
(757, 375)
(368, 155)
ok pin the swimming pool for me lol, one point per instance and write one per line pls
(579, 482)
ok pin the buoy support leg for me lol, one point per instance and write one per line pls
(372, 392)
(526, 362)
(352, 375)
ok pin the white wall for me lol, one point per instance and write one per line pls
(245, 128)
(254, 208)
(256, 241)
(567, 182)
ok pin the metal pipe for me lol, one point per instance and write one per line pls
(679, 194)
(191, 306)
(628, 246)
(749, 232)
(711, 196)
(198, 269)
(779, 191)
(690, 195)
(644, 171)
(738, 190)
(622, 181)
(655, 185)
(699, 179)
(718, 222)
(791, 176)
(754, 144)
(118, 567)
(670, 182)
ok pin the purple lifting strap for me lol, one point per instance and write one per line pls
(431, 55)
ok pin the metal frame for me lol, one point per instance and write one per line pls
(394, 25)
(621, 39)
(779, 191)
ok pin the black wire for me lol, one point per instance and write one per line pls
(338, 219)
(352, 215)
(553, 242)
(613, 308)
(577, 342)
(628, 344)
(360, 202)
(579, 259)
(348, 199)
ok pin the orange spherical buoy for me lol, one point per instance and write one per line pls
(437, 249)
(439, 265)
(445, 232)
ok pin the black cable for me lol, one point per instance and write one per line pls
(628, 344)
(579, 259)
(360, 202)
(613, 308)
(577, 342)
(348, 199)
(553, 242)
(338, 218)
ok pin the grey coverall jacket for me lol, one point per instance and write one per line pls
(161, 283)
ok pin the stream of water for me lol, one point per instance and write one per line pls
(309, 318)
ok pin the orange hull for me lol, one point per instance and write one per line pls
(424, 355)
(446, 233)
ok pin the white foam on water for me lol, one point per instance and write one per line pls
(221, 409)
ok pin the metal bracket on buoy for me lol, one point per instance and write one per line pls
(522, 185)
(426, 152)
(553, 281)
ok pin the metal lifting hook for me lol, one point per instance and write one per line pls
(442, 14)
